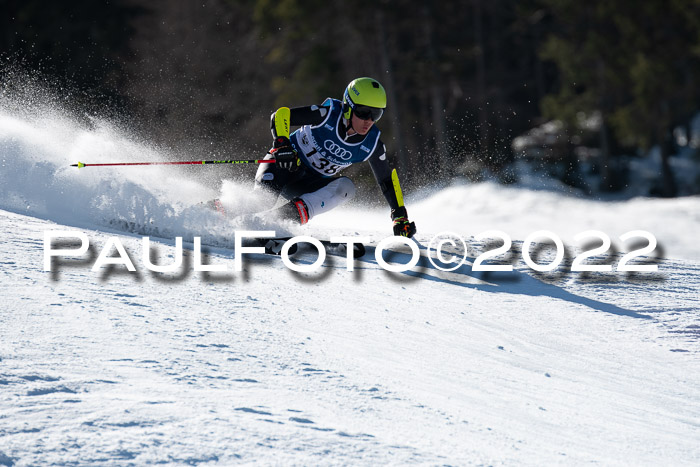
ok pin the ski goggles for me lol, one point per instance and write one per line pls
(365, 112)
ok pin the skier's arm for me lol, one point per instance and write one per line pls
(284, 118)
(382, 173)
(280, 123)
(391, 191)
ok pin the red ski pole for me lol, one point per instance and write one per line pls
(80, 165)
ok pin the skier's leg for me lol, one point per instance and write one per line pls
(339, 191)
(271, 180)
(268, 177)
(325, 195)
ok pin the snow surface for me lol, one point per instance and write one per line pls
(330, 367)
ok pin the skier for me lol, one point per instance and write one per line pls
(332, 137)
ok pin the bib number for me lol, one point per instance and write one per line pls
(324, 166)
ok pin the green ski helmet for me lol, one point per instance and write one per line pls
(364, 97)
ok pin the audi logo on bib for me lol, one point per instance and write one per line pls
(336, 150)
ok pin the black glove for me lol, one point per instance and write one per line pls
(402, 227)
(284, 154)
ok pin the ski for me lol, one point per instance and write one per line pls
(358, 249)
(273, 246)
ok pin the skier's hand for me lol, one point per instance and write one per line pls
(284, 154)
(402, 226)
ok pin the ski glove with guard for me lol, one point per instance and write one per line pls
(284, 154)
(402, 227)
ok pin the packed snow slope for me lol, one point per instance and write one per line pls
(333, 366)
